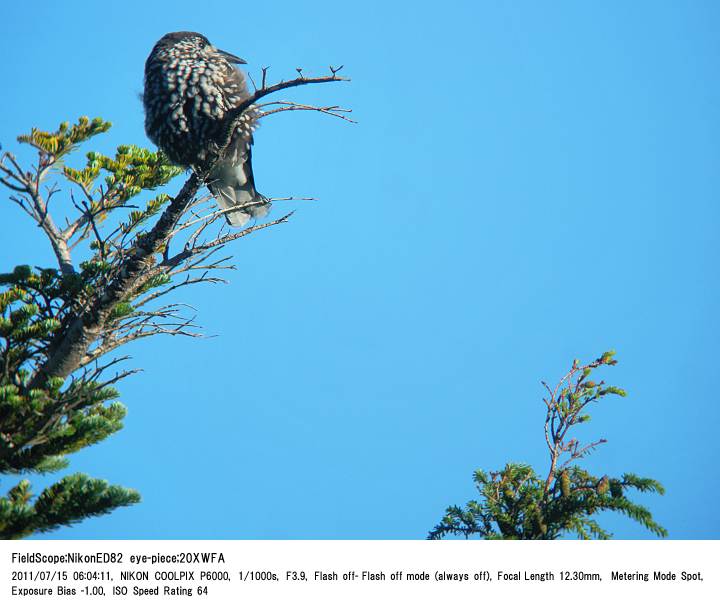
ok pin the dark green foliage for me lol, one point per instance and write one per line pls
(73, 498)
(517, 503)
(514, 505)
(39, 426)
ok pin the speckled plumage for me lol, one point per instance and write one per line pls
(189, 87)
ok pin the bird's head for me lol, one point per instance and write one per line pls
(193, 42)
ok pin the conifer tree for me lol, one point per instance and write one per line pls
(518, 503)
(60, 327)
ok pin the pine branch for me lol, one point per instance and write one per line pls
(518, 504)
(69, 350)
(57, 327)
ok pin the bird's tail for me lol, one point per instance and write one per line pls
(233, 185)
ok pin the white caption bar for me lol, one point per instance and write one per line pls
(354, 573)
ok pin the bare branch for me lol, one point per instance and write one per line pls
(222, 241)
(29, 185)
(7, 184)
(232, 116)
(287, 106)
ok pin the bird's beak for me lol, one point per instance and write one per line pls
(230, 57)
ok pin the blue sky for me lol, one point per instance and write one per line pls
(529, 182)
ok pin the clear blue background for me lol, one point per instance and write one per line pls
(529, 182)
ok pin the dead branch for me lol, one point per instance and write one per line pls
(287, 106)
(232, 116)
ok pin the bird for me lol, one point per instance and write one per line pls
(190, 86)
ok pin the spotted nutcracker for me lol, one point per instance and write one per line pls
(189, 87)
